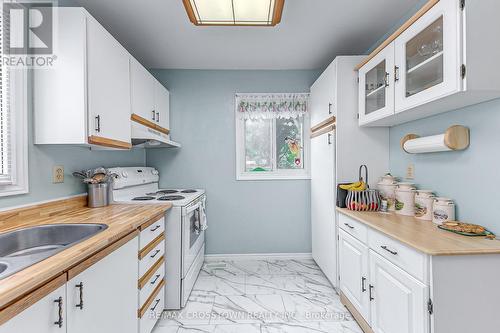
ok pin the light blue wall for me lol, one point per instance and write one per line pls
(43, 158)
(470, 177)
(244, 216)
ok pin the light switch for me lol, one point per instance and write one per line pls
(410, 171)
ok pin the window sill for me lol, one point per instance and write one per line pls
(272, 176)
(11, 190)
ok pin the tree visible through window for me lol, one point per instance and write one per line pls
(271, 136)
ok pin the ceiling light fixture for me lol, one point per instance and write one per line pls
(234, 12)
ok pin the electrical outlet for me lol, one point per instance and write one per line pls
(58, 174)
(410, 171)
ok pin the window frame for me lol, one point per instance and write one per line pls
(18, 114)
(277, 174)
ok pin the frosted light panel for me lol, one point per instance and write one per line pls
(213, 10)
(231, 12)
(253, 11)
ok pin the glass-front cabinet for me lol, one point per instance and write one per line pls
(376, 87)
(428, 57)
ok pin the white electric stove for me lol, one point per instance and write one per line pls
(184, 229)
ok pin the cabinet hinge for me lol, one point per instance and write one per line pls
(462, 4)
(430, 307)
(463, 71)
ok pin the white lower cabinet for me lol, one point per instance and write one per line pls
(103, 298)
(398, 301)
(385, 291)
(353, 263)
(48, 315)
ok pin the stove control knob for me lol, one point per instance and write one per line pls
(124, 174)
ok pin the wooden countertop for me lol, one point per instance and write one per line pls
(121, 219)
(424, 236)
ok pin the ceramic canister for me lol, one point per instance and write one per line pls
(424, 201)
(405, 199)
(443, 210)
(387, 187)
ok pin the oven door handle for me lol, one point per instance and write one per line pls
(193, 208)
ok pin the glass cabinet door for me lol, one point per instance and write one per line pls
(376, 93)
(427, 64)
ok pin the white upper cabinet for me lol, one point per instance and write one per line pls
(376, 87)
(323, 95)
(143, 91)
(108, 84)
(428, 58)
(150, 99)
(162, 99)
(434, 63)
(84, 99)
(94, 86)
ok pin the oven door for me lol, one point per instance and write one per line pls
(193, 237)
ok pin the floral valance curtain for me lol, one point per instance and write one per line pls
(271, 106)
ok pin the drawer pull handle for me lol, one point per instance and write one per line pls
(80, 287)
(363, 284)
(156, 252)
(348, 225)
(155, 228)
(389, 250)
(59, 302)
(371, 293)
(156, 279)
(156, 304)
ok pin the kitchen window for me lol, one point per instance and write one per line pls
(13, 126)
(272, 136)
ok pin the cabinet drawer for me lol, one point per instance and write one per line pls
(150, 233)
(151, 284)
(354, 228)
(151, 258)
(152, 312)
(406, 258)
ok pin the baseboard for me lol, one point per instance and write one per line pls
(257, 256)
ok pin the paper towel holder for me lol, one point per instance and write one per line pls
(456, 137)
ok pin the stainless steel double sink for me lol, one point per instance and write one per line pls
(22, 248)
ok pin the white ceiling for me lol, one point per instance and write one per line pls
(310, 35)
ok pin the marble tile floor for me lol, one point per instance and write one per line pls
(262, 296)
